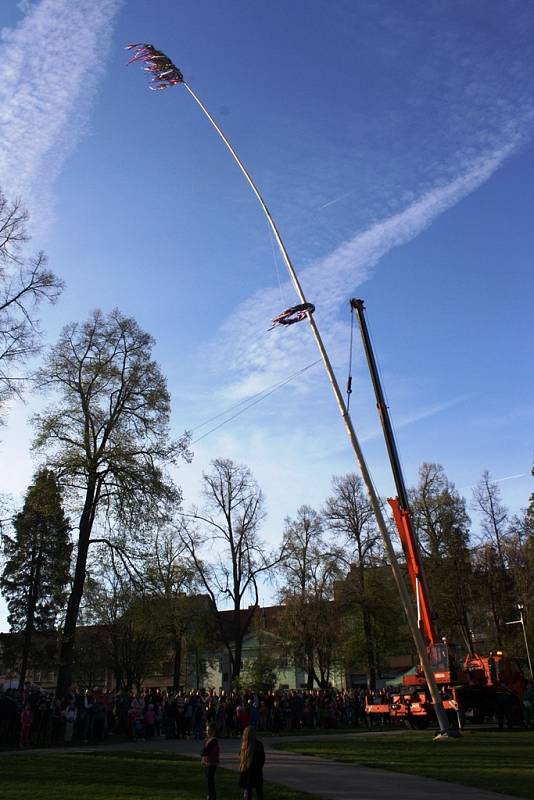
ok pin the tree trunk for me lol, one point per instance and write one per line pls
(236, 664)
(197, 668)
(239, 635)
(26, 645)
(30, 619)
(309, 669)
(177, 674)
(309, 679)
(369, 649)
(66, 651)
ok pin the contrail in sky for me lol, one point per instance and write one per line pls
(335, 200)
(496, 480)
(329, 279)
(50, 64)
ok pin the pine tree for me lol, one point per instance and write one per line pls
(37, 560)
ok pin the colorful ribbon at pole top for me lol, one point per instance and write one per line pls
(164, 72)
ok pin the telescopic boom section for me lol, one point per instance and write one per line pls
(400, 504)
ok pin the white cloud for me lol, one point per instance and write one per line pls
(417, 416)
(49, 68)
(260, 361)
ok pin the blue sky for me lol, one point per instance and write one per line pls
(394, 145)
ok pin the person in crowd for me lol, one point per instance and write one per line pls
(70, 714)
(26, 719)
(150, 721)
(198, 721)
(528, 706)
(210, 759)
(243, 716)
(98, 717)
(251, 761)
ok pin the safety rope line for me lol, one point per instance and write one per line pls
(264, 396)
(276, 265)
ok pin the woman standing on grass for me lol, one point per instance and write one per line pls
(251, 761)
(210, 759)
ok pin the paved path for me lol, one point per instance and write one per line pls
(335, 781)
(327, 780)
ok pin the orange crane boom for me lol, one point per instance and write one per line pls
(400, 504)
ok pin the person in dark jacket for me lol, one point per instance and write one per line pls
(210, 760)
(251, 761)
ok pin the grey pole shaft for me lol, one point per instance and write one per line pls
(399, 579)
(526, 644)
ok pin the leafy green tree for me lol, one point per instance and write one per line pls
(519, 555)
(37, 561)
(201, 637)
(530, 509)
(349, 514)
(442, 525)
(123, 620)
(390, 634)
(518, 552)
(91, 660)
(309, 566)
(169, 577)
(107, 438)
(489, 606)
(259, 673)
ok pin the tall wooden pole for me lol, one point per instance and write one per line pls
(373, 497)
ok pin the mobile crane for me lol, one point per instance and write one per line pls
(483, 686)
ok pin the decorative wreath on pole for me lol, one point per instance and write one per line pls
(293, 314)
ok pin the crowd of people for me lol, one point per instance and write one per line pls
(38, 718)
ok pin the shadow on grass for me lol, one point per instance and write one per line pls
(501, 762)
(117, 776)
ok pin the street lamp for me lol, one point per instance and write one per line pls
(521, 621)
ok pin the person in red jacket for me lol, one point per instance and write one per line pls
(26, 719)
(210, 760)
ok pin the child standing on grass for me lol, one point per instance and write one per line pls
(210, 760)
(251, 761)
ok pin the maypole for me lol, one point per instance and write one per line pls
(166, 74)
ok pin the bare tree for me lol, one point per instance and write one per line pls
(24, 285)
(106, 438)
(228, 526)
(493, 514)
(309, 566)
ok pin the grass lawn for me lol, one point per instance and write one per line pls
(503, 762)
(117, 776)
